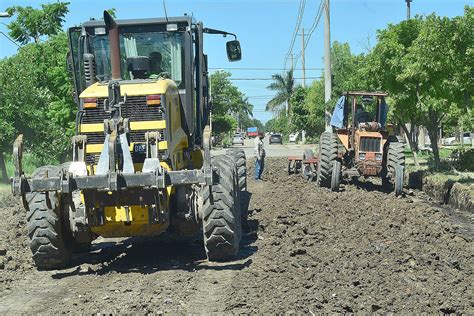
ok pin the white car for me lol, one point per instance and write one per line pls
(237, 139)
(293, 137)
(452, 140)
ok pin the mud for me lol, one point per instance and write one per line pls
(306, 250)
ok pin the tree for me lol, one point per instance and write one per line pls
(300, 111)
(43, 108)
(33, 23)
(383, 68)
(441, 60)
(229, 105)
(283, 86)
(315, 104)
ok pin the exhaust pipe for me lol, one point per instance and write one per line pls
(112, 29)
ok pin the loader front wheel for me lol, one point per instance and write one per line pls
(238, 155)
(47, 231)
(221, 214)
(239, 158)
(328, 152)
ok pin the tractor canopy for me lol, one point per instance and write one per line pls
(354, 105)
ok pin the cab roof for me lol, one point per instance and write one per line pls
(121, 22)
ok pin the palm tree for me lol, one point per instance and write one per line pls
(283, 85)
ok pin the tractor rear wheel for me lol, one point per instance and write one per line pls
(328, 153)
(50, 243)
(394, 165)
(221, 214)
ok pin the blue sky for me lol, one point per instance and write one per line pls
(264, 28)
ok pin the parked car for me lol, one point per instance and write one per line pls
(293, 137)
(237, 139)
(452, 140)
(275, 139)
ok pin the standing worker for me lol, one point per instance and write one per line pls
(259, 153)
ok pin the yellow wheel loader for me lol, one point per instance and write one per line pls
(141, 162)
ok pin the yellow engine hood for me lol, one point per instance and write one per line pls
(100, 90)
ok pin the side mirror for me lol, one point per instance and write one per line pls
(234, 53)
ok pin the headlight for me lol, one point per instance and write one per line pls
(362, 156)
(378, 156)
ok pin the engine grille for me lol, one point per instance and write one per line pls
(370, 144)
(135, 109)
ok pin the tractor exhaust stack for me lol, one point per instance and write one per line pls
(112, 29)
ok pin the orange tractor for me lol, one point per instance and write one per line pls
(360, 144)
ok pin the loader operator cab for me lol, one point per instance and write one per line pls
(155, 64)
(157, 48)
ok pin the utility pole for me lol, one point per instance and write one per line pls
(292, 65)
(327, 61)
(408, 8)
(302, 57)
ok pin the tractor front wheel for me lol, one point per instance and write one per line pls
(336, 175)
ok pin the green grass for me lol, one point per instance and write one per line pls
(29, 163)
(5, 190)
(442, 174)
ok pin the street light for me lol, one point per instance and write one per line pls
(4, 15)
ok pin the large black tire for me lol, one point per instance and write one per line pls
(399, 174)
(222, 227)
(336, 176)
(394, 164)
(238, 155)
(328, 153)
(50, 243)
(240, 160)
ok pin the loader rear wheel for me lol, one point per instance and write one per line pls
(394, 165)
(221, 214)
(328, 151)
(47, 231)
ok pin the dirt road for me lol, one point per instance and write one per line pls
(306, 250)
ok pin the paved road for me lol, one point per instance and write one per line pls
(274, 150)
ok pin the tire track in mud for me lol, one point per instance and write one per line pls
(307, 250)
(359, 250)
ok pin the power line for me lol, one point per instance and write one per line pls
(313, 27)
(257, 68)
(236, 79)
(299, 19)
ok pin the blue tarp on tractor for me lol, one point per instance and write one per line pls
(337, 117)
